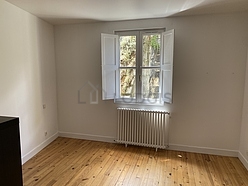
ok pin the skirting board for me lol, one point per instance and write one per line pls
(87, 137)
(214, 151)
(37, 149)
(204, 150)
(243, 160)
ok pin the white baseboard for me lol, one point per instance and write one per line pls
(243, 160)
(204, 150)
(185, 148)
(177, 147)
(87, 137)
(37, 149)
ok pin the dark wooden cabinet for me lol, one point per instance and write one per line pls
(10, 152)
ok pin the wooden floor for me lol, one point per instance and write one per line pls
(80, 162)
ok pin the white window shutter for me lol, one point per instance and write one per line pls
(167, 65)
(109, 50)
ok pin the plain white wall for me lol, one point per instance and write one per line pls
(209, 71)
(28, 76)
(243, 155)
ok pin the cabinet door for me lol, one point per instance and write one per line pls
(10, 154)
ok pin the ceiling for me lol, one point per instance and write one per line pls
(84, 11)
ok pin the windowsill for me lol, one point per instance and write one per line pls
(128, 101)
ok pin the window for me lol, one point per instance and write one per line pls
(137, 66)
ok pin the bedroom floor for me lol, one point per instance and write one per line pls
(81, 162)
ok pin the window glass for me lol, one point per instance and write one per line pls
(150, 83)
(127, 81)
(151, 50)
(127, 51)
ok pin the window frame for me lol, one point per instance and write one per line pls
(166, 68)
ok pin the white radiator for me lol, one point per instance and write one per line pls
(143, 127)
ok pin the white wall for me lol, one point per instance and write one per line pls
(210, 59)
(27, 76)
(243, 155)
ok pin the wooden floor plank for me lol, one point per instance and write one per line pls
(149, 168)
(74, 162)
(240, 168)
(96, 167)
(214, 171)
(97, 173)
(115, 170)
(140, 168)
(80, 163)
(127, 166)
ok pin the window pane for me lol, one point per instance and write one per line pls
(127, 51)
(151, 50)
(127, 78)
(150, 83)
